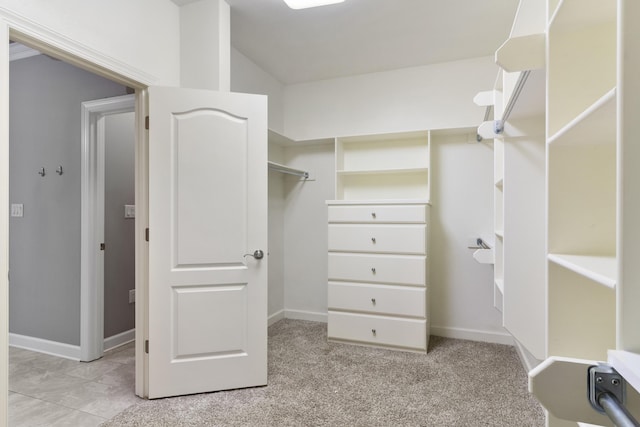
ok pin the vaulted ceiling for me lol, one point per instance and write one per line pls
(364, 36)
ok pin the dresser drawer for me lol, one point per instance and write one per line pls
(401, 269)
(391, 238)
(379, 330)
(378, 299)
(378, 213)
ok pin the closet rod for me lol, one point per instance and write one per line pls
(522, 79)
(286, 169)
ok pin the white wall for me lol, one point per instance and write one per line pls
(247, 77)
(120, 29)
(276, 236)
(305, 232)
(461, 289)
(429, 97)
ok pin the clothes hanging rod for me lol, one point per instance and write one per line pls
(522, 79)
(286, 169)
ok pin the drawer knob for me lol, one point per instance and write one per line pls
(373, 332)
(373, 270)
(373, 240)
(373, 215)
(373, 301)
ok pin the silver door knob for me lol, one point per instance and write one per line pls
(257, 254)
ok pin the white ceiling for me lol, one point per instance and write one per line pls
(364, 36)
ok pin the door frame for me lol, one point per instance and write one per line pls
(92, 220)
(15, 27)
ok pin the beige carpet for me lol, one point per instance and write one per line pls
(315, 383)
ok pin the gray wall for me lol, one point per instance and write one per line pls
(119, 258)
(44, 245)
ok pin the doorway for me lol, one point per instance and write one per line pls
(55, 46)
(45, 223)
(44, 228)
(108, 225)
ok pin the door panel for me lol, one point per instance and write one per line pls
(207, 209)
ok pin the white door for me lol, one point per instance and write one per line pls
(207, 210)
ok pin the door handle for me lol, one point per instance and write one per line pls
(257, 254)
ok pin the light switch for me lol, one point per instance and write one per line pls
(129, 211)
(17, 210)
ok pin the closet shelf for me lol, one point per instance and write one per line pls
(382, 171)
(594, 126)
(601, 269)
(286, 169)
(628, 365)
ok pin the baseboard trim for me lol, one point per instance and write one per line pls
(119, 339)
(311, 316)
(40, 345)
(275, 317)
(472, 335)
(527, 359)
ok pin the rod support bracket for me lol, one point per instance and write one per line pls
(603, 378)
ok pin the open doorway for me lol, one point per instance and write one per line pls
(45, 233)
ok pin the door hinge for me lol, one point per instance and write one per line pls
(146, 346)
(146, 234)
(102, 246)
(146, 122)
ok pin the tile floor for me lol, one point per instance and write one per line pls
(50, 391)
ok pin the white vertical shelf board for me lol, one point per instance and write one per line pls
(628, 291)
(524, 228)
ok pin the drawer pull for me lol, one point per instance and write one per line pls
(373, 215)
(373, 240)
(373, 332)
(373, 270)
(373, 301)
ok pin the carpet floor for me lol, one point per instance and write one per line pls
(315, 383)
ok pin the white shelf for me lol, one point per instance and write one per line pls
(628, 365)
(380, 202)
(600, 269)
(383, 171)
(595, 125)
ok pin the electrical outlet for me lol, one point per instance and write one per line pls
(132, 296)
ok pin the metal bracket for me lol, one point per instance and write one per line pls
(604, 378)
(498, 126)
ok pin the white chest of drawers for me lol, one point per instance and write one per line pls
(378, 274)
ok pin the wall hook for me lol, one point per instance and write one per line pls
(41, 172)
(59, 170)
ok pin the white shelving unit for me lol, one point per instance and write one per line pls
(383, 167)
(593, 203)
(378, 241)
(582, 174)
(517, 131)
